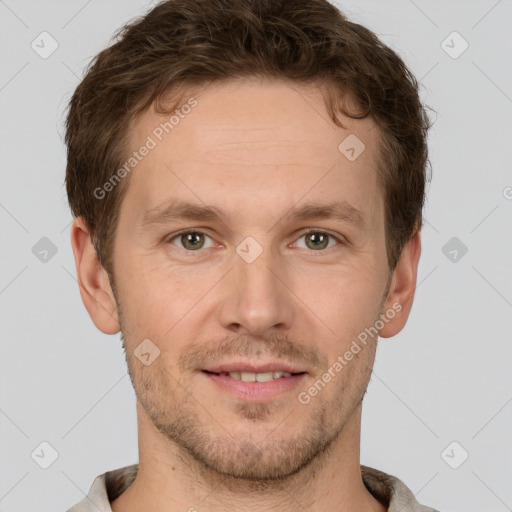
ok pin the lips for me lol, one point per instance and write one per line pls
(255, 377)
(255, 386)
(244, 367)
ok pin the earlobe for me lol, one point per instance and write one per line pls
(400, 297)
(93, 280)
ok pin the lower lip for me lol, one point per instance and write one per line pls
(255, 390)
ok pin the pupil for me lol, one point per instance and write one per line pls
(189, 239)
(320, 238)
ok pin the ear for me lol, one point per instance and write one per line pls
(93, 280)
(401, 291)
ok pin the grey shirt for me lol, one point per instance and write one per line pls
(388, 489)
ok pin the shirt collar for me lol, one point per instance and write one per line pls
(388, 489)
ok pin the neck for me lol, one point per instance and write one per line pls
(169, 478)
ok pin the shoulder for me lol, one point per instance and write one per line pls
(105, 489)
(391, 491)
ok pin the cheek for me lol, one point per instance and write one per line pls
(346, 305)
(155, 294)
(346, 294)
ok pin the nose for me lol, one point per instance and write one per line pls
(257, 298)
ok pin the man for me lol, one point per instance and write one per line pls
(247, 179)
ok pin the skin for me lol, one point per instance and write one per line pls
(254, 149)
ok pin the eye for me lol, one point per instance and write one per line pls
(318, 240)
(190, 240)
(194, 240)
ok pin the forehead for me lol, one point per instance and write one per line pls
(251, 142)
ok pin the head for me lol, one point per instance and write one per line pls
(242, 109)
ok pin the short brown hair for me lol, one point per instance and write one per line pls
(186, 42)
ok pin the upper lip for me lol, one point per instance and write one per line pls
(244, 366)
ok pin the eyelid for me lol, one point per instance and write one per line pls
(337, 237)
(172, 236)
(299, 234)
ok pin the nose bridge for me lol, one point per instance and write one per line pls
(257, 299)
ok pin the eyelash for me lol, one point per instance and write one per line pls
(302, 234)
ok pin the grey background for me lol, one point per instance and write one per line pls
(446, 377)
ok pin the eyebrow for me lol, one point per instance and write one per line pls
(183, 210)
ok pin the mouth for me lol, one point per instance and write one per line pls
(255, 382)
(246, 376)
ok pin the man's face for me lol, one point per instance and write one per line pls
(251, 290)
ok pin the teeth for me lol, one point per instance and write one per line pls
(248, 377)
(258, 377)
(265, 377)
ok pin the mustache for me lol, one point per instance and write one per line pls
(277, 347)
